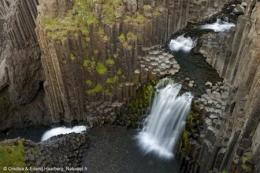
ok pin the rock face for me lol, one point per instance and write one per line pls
(233, 140)
(21, 72)
(91, 51)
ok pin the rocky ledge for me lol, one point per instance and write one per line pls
(55, 155)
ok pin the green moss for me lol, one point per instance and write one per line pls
(146, 7)
(139, 19)
(109, 13)
(131, 36)
(128, 19)
(12, 155)
(58, 28)
(98, 88)
(123, 77)
(143, 95)
(72, 57)
(89, 82)
(185, 142)
(87, 17)
(86, 63)
(156, 13)
(122, 37)
(119, 71)
(101, 68)
(107, 92)
(110, 61)
(112, 80)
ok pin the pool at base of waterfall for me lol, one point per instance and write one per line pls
(114, 149)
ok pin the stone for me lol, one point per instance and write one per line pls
(239, 9)
(208, 91)
(244, 4)
(216, 94)
(208, 84)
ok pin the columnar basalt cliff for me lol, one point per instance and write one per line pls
(232, 137)
(91, 50)
(21, 73)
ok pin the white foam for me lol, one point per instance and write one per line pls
(182, 43)
(218, 26)
(150, 144)
(62, 130)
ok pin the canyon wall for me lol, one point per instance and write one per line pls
(93, 52)
(21, 73)
(232, 138)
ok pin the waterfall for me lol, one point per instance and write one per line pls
(218, 26)
(164, 124)
(182, 43)
(62, 130)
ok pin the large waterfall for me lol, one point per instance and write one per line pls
(164, 124)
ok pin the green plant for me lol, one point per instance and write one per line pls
(110, 61)
(140, 19)
(112, 80)
(72, 57)
(131, 36)
(122, 37)
(107, 92)
(86, 63)
(98, 88)
(119, 71)
(89, 82)
(101, 68)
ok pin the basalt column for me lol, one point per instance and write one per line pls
(232, 137)
(91, 51)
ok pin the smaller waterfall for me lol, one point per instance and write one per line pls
(218, 26)
(62, 130)
(163, 126)
(182, 43)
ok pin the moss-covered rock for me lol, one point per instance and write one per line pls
(12, 154)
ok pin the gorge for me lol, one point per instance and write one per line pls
(95, 62)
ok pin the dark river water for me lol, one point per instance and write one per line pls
(194, 67)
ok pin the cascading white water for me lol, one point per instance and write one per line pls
(182, 43)
(62, 130)
(218, 26)
(164, 124)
